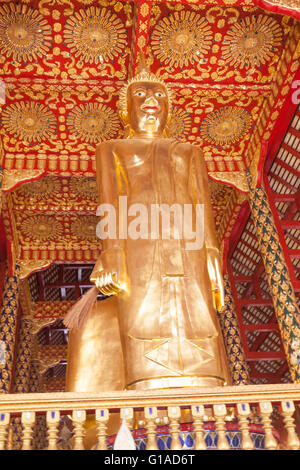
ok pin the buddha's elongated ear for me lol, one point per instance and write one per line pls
(123, 117)
(129, 132)
(166, 132)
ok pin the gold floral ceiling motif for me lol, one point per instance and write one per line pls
(181, 38)
(93, 122)
(42, 188)
(252, 41)
(84, 187)
(180, 124)
(24, 33)
(28, 120)
(42, 228)
(85, 227)
(95, 34)
(226, 126)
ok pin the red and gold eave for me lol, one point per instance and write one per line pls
(62, 85)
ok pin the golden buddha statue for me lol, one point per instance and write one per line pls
(158, 328)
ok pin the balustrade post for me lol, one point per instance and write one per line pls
(174, 415)
(27, 420)
(243, 415)
(52, 418)
(10, 438)
(4, 423)
(102, 417)
(198, 414)
(78, 418)
(288, 410)
(266, 410)
(219, 413)
(150, 417)
(124, 439)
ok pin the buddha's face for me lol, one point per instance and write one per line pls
(147, 107)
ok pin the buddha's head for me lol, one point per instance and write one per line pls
(145, 104)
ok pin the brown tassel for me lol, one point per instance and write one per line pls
(78, 314)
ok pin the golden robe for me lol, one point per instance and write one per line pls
(164, 332)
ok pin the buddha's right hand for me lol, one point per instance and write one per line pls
(109, 273)
(108, 283)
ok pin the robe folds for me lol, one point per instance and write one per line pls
(163, 332)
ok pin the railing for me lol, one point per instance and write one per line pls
(219, 409)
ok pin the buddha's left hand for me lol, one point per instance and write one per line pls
(215, 275)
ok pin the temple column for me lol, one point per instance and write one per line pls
(281, 288)
(1, 181)
(39, 438)
(2, 255)
(8, 325)
(8, 330)
(27, 380)
(23, 360)
(1, 167)
(234, 347)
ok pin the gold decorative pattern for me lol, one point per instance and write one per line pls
(42, 227)
(42, 188)
(251, 41)
(24, 33)
(180, 124)
(48, 356)
(51, 310)
(23, 358)
(93, 122)
(8, 325)
(25, 299)
(95, 35)
(84, 187)
(85, 227)
(226, 126)
(12, 177)
(39, 323)
(76, 194)
(232, 338)
(182, 38)
(238, 179)
(29, 121)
